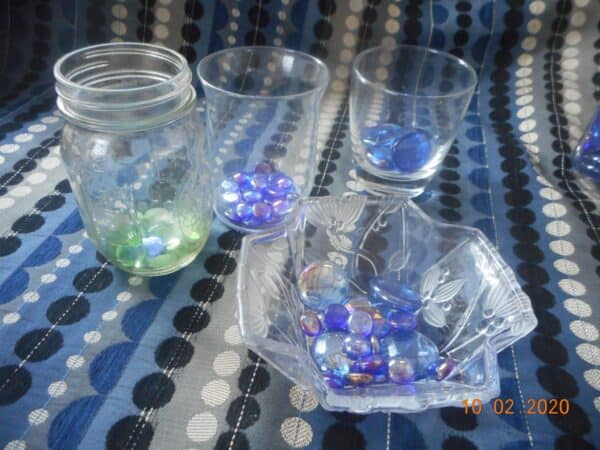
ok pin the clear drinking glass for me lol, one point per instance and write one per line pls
(406, 104)
(135, 154)
(262, 114)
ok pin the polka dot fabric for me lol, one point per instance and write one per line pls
(95, 358)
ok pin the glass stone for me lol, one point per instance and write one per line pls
(274, 193)
(402, 320)
(229, 186)
(252, 196)
(380, 157)
(360, 322)
(336, 317)
(230, 197)
(263, 167)
(259, 181)
(243, 211)
(357, 303)
(153, 245)
(359, 379)
(321, 284)
(386, 292)
(282, 207)
(401, 370)
(327, 351)
(414, 347)
(384, 134)
(373, 364)
(445, 367)
(587, 155)
(356, 346)
(281, 180)
(310, 323)
(261, 211)
(242, 179)
(381, 327)
(412, 151)
(335, 382)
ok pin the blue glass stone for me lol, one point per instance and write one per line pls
(231, 214)
(355, 345)
(384, 134)
(412, 152)
(252, 196)
(360, 322)
(335, 382)
(282, 207)
(414, 347)
(259, 181)
(401, 370)
(262, 211)
(321, 284)
(390, 293)
(373, 364)
(282, 181)
(381, 327)
(356, 303)
(253, 222)
(359, 379)
(230, 197)
(242, 179)
(244, 211)
(402, 320)
(336, 317)
(154, 245)
(327, 351)
(274, 193)
(310, 323)
(229, 185)
(263, 167)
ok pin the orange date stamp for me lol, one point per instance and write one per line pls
(506, 406)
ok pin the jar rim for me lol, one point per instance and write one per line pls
(153, 50)
(200, 69)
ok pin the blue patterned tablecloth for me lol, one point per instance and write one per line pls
(91, 357)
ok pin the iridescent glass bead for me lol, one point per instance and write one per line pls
(386, 292)
(336, 317)
(414, 347)
(401, 370)
(322, 283)
(263, 167)
(261, 211)
(242, 179)
(230, 197)
(259, 181)
(310, 323)
(445, 367)
(274, 193)
(229, 186)
(401, 320)
(282, 181)
(359, 379)
(356, 346)
(252, 196)
(373, 364)
(244, 211)
(282, 207)
(358, 302)
(411, 152)
(360, 322)
(327, 351)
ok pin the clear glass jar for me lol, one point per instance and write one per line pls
(135, 154)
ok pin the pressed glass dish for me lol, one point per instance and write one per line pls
(389, 236)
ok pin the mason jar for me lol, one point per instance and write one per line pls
(135, 154)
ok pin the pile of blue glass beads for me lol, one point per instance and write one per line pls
(391, 147)
(587, 155)
(263, 196)
(358, 340)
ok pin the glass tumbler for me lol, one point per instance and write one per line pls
(406, 104)
(262, 113)
(135, 155)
